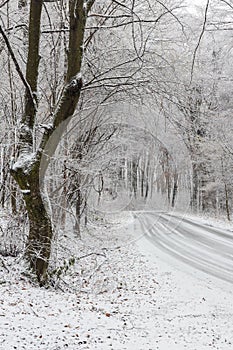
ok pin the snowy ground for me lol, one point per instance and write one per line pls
(122, 295)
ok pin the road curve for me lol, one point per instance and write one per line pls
(204, 247)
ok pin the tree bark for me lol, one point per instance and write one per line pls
(195, 188)
(175, 190)
(38, 245)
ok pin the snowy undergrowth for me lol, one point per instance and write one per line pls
(117, 295)
(12, 233)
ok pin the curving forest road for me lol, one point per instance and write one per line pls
(204, 247)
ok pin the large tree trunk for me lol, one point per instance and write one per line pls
(40, 236)
(38, 245)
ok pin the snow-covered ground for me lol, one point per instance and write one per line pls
(121, 294)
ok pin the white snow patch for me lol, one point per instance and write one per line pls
(25, 191)
(46, 126)
(25, 161)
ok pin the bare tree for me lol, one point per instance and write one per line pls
(26, 170)
(53, 95)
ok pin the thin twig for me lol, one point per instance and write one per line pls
(199, 40)
(4, 3)
(87, 255)
(226, 2)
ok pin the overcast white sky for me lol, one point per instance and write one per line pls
(196, 2)
(193, 3)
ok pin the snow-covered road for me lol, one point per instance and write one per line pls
(199, 245)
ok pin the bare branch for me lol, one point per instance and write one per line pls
(227, 2)
(4, 3)
(105, 27)
(110, 70)
(122, 5)
(109, 16)
(17, 67)
(90, 254)
(171, 13)
(199, 40)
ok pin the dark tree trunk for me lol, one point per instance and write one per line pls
(13, 197)
(142, 182)
(134, 177)
(175, 190)
(78, 211)
(227, 202)
(195, 188)
(38, 245)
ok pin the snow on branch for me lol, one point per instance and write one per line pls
(46, 127)
(24, 162)
(75, 84)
